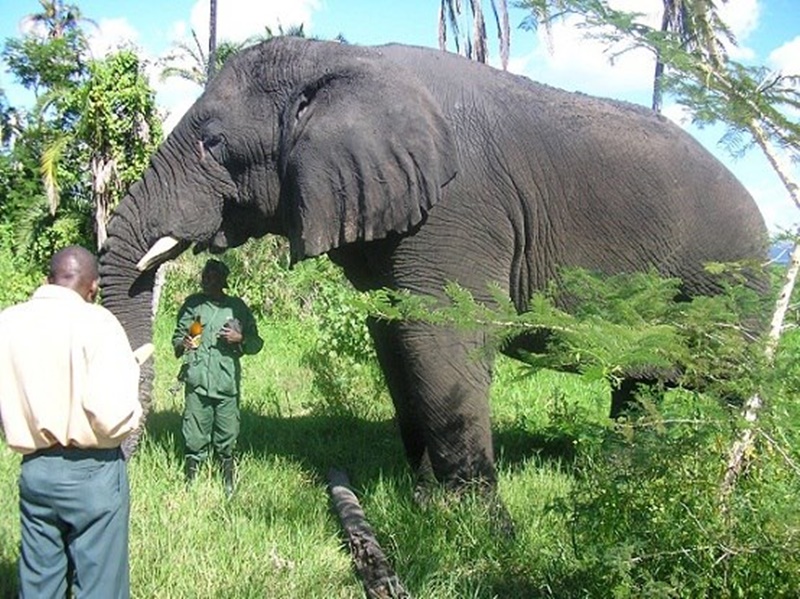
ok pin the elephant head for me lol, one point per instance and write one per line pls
(286, 130)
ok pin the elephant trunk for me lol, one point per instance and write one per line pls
(127, 293)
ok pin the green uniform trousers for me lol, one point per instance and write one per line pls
(210, 422)
(74, 509)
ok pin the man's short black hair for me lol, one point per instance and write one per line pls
(218, 267)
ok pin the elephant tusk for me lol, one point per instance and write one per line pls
(160, 247)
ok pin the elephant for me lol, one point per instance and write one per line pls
(413, 168)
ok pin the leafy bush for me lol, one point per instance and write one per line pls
(646, 511)
(647, 518)
(20, 277)
(343, 360)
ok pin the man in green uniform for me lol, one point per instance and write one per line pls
(213, 331)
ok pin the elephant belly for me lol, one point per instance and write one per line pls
(472, 249)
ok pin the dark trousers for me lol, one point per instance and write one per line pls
(74, 512)
(208, 422)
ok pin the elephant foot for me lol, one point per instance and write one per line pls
(486, 497)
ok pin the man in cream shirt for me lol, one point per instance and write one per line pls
(68, 397)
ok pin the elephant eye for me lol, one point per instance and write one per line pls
(210, 141)
(214, 144)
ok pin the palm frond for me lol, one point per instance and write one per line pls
(51, 157)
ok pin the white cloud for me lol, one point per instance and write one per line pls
(239, 19)
(175, 96)
(786, 58)
(567, 59)
(678, 114)
(775, 205)
(741, 16)
(110, 35)
(577, 63)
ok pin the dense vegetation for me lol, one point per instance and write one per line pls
(601, 510)
(628, 509)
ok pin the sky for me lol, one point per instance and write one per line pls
(767, 31)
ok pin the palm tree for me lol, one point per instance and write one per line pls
(475, 43)
(699, 29)
(58, 18)
(212, 40)
(189, 61)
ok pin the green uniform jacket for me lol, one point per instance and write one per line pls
(213, 368)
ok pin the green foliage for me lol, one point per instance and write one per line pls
(49, 234)
(20, 185)
(42, 65)
(8, 117)
(609, 327)
(19, 276)
(343, 358)
(88, 137)
(647, 519)
(119, 118)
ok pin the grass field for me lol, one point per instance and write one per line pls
(278, 538)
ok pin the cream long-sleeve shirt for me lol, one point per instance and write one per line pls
(67, 374)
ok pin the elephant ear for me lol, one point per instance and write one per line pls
(365, 152)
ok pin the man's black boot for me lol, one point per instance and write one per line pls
(228, 475)
(191, 466)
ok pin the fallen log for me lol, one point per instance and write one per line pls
(372, 566)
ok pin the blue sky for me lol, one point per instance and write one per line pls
(768, 32)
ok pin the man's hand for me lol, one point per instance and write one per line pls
(230, 334)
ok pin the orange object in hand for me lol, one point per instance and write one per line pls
(195, 332)
(196, 327)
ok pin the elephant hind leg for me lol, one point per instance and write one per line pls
(623, 395)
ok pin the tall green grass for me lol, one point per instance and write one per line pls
(277, 537)
(598, 512)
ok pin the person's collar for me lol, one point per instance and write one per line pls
(50, 291)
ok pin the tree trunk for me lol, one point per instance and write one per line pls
(742, 447)
(212, 41)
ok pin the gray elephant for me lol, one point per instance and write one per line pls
(413, 168)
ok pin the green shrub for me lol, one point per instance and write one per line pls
(648, 520)
(20, 278)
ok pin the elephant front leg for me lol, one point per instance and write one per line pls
(388, 351)
(447, 379)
